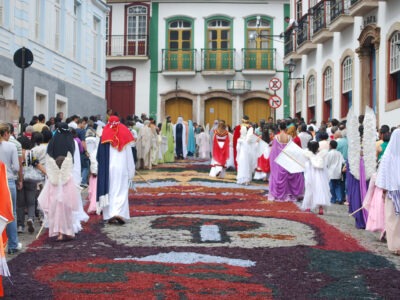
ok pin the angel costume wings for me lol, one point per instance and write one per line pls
(60, 197)
(361, 162)
(364, 145)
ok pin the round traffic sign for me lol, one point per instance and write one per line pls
(274, 101)
(23, 58)
(275, 84)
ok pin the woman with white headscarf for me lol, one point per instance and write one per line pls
(180, 139)
(388, 179)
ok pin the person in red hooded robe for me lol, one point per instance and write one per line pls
(116, 169)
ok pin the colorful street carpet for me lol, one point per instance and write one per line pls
(195, 237)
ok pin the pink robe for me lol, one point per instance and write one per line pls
(375, 204)
(58, 203)
(92, 194)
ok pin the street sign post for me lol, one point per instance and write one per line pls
(23, 58)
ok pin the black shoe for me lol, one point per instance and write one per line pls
(31, 227)
(12, 251)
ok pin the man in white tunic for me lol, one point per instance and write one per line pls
(116, 169)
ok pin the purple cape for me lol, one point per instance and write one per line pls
(283, 184)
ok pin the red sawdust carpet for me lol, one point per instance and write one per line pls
(192, 237)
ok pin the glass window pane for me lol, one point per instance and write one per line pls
(173, 35)
(225, 23)
(224, 34)
(186, 35)
(185, 45)
(252, 23)
(224, 45)
(173, 45)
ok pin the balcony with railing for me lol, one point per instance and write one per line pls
(179, 61)
(256, 61)
(304, 44)
(362, 7)
(127, 46)
(218, 61)
(339, 15)
(320, 20)
(290, 45)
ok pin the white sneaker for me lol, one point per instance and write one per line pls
(20, 229)
(19, 247)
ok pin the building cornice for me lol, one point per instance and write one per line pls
(101, 4)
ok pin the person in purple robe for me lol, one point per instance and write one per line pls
(361, 162)
(283, 186)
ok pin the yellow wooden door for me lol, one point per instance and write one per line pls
(218, 109)
(179, 107)
(256, 109)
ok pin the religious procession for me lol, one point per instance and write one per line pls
(48, 166)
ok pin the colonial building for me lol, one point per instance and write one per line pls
(66, 38)
(203, 60)
(349, 54)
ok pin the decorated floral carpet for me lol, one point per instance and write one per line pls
(194, 237)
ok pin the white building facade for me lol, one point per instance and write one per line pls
(203, 60)
(66, 38)
(349, 54)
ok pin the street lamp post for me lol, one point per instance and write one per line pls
(292, 67)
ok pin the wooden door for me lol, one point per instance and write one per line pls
(122, 98)
(256, 109)
(218, 109)
(179, 107)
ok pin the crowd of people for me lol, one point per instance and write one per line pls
(52, 161)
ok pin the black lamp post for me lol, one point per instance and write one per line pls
(292, 67)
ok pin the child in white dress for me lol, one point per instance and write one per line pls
(317, 192)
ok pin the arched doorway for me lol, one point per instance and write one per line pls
(218, 109)
(179, 107)
(256, 109)
(369, 45)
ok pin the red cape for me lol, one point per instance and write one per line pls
(221, 155)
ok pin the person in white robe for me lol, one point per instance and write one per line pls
(79, 215)
(144, 147)
(203, 142)
(246, 155)
(388, 179)
(317, 193)
(116, 169)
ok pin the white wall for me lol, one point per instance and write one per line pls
(333, 49)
